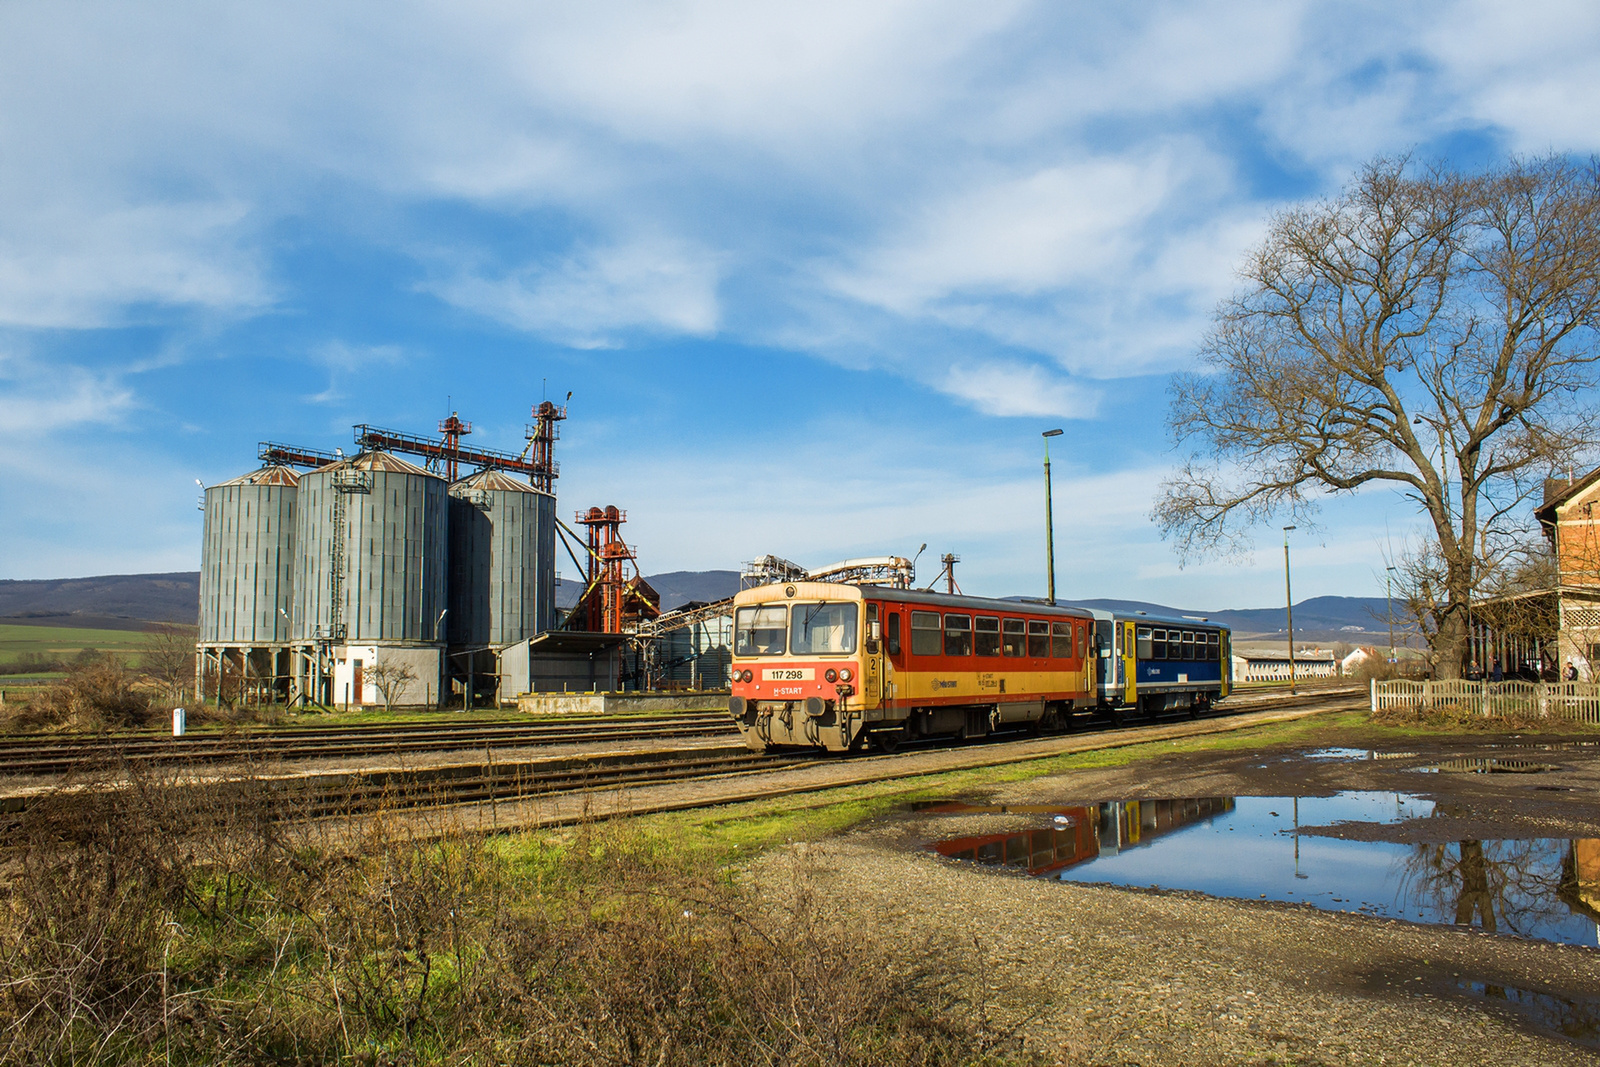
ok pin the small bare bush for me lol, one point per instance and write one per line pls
(148, 920)
(98, 693)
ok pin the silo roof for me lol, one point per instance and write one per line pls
(270, 475)
(494, 480)
(378, 461)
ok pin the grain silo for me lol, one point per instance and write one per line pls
(247, 562)
(502, 560)
(372, 545)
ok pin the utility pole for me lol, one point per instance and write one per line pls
(1388, 595)
(1288, 597)
(1049, 522)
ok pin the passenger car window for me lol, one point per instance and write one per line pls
(892, 634)
(958, 635)
(926, 633)
(1144, 644)
(986, 636)
(1014, 643)
(1061, 640)
(1038, 638)
(1188, 645)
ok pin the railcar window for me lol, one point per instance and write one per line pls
(986, 636)
(1038, 638)
(926, 633)
(827, 628)
(958, 635)
(1144, 645)
(1061, 640)
(1158, 644)
(759, 631)
(1188, 645)
(1213, 646)
(1014, 643)
(892, 635)
(1083, 639)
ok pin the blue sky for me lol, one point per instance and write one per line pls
(817, 276)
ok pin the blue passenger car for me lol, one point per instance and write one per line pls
(1151, 663)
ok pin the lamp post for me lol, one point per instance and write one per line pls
(1049, 522)
(1388, 595)
(1288, 597)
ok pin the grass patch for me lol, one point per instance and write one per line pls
(64, 642)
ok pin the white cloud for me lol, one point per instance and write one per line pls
(1016, 235)
(38, 399)
(65, 264)
(1013, 389)
(588, 298)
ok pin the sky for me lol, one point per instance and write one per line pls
(817, 276)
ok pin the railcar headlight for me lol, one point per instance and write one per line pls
(748, 676)
(845, 675)
(831, 675)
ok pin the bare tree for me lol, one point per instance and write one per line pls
(390, 680)
(168, 657)
(1426, 329)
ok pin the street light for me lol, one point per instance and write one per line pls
(1049, 521)
(1388, 595)
(1289, 598)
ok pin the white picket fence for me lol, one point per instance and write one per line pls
(1579, 701)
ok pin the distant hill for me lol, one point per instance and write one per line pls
(128, 601)
(107, 602)
(1346, 615)
(677, 588)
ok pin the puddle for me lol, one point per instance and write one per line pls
(1339, 753)
(1248, 847)
(1575, 1018)
(1489, 765)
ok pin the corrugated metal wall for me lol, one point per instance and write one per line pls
(502, 560)
(247, 559)
(395, 550)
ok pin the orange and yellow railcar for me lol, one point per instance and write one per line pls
(821, 664)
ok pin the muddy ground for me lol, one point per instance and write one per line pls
(1088, 974)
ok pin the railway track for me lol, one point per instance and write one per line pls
(487, 782)
(35, 756)
(57, 755)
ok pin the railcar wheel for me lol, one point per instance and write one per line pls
(886, 741)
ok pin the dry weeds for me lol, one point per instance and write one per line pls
(157, 922)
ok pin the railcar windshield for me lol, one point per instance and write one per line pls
(822, 628)
(759, 630)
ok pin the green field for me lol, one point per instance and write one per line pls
(64, 642)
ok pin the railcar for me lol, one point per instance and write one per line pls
(1149, 663)
(838, 666)
(835, 666)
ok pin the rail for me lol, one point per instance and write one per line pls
(1573, 701)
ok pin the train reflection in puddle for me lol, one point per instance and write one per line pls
(1076, 835)
(1254, 848)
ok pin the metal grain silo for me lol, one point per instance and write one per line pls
(502, 560)
(372, 543)
(247, 557)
